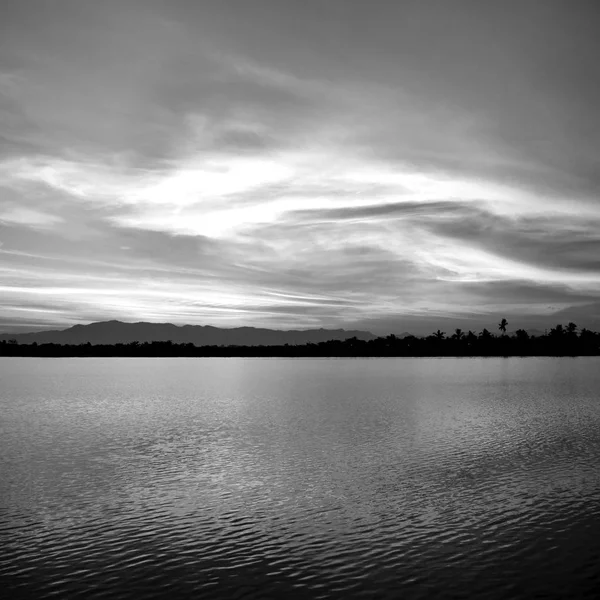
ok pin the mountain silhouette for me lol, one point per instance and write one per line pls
(115, 332)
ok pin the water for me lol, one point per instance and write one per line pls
(268, 478)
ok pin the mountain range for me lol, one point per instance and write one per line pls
(115, 332)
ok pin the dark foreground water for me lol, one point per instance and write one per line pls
(271, 478)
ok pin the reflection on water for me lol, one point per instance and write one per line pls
(265, 478)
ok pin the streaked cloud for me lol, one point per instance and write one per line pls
(270, 164)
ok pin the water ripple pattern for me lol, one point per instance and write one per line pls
(300, 478)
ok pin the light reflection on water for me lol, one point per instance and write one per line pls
(300, 478)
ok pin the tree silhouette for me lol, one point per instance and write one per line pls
(502, 326)
(560, 341)
(485, 334)
(458, 334)
(521, 335)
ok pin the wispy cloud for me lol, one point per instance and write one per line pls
(195, 163)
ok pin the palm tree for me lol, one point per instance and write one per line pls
(458, 334)
(439, 334)
(502, 326)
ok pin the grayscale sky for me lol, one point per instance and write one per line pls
(396, 166)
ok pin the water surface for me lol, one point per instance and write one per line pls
(268, 478)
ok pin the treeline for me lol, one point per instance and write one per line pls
(559, 341)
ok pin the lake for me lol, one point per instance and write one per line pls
(300, 478)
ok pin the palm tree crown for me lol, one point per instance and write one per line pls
(502, 326)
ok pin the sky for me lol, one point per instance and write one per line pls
(393, 166)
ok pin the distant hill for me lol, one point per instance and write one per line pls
(115, 332)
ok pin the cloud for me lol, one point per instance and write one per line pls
(552, 242)
(381, 211)
(224, 164)
(25, 216)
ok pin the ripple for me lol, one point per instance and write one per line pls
(264, 479)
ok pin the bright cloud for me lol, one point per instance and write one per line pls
(192, 164)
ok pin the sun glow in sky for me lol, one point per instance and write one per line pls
(389, 166)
